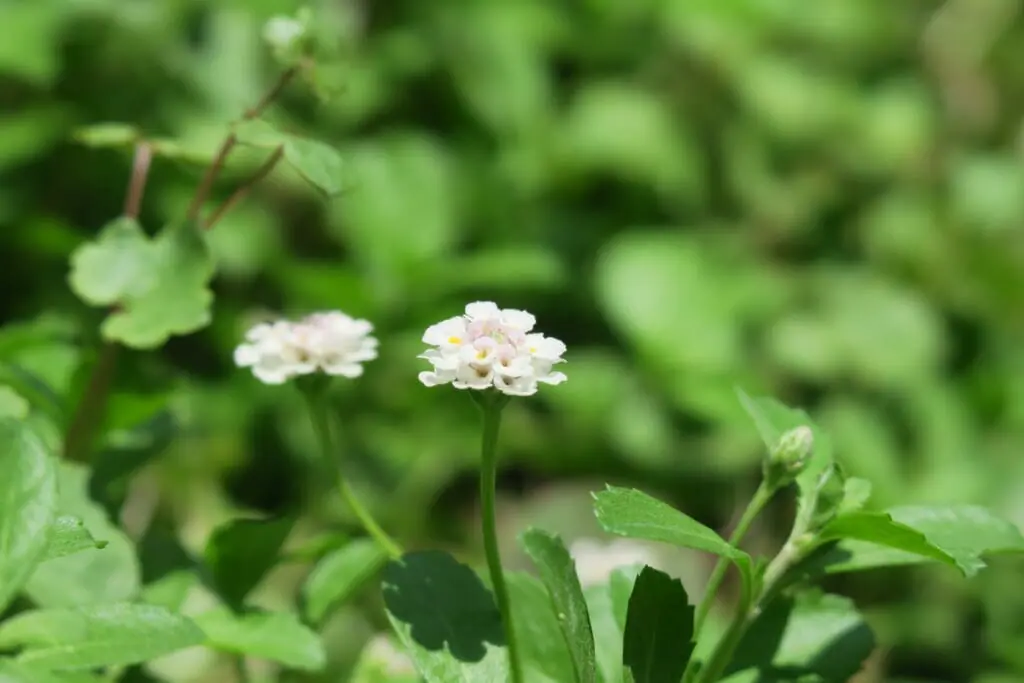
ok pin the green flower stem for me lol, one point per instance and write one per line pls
(488, 481)
(757, 503)
(322, 426)
(722, 654)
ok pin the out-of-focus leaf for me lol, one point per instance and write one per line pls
(177, 302)
(320, 164)
(107, 135)
(88, 577)
(68, 535)
(608, 606)
(241, 552)
(546, 657)
(276, 636)
(28, 504)
(339, 574)
(121, 262)
(97, 636)
(12, 404)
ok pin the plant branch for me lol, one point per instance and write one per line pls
(242, 192)
(137, 184)
(212, 173)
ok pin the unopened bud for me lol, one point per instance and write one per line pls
(789, 457)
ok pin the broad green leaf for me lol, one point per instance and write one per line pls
(446, 618)
(28, 503)
(966, 533)
(34, 389)
(815, 633)
(96, 636)
(856, 494)
(120, 263)
(558, 572)
(68, 535)
(170, 590)
(545, 654)
(12, 404)
(632, 513)
(340, 574)
(319, 164)
(177, 302)
(773, 419)
(608, 605)
(91, 576)
(880, 528)
(241, 552)
(276, 636)
(14, 672)
(658, 640)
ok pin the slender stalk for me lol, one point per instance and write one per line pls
(210, 177)
(137, 183)
(322, 426)
(722, 654)
(757, 503)
(241, 193)
(488, 484)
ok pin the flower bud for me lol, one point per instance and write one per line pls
(789, 457)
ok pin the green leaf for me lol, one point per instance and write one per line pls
(177, 302)
(658, 640)
(880, 528)
(12, 404)
(544, 652)
(68, 535)
(119, 263)
(28, 503)
(241, 552)
(107, 135)
(965, 533)
(89, 577)
(632, 513)
(276, 636)
(558, 572)
(14, 672)
(608, 606)
(446, 618)
(814, 633)
(318, 163)
(338, 575)
(97, 636)
(773, 419)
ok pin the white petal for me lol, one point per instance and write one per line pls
(269, 375)
(246, 355)
(433, 379)
(521, 320)
(482, 310)
(553, 378)
(350, 370)
(444, 332)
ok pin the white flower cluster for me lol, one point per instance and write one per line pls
(491, 347)
(595, 561)
(330, 342)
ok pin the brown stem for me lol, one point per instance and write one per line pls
(240, 194)
(91, 406)
(210, 177)
(137, 184)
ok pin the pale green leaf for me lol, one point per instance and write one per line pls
(96, 636)
(68, 535)
(275, 636)
(339, 574)
(119, 264)
(318, 163)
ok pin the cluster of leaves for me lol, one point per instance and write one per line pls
(821, 192)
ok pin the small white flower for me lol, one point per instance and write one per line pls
(595, 561)
(283, 32)
(491, 347)
(330, 342)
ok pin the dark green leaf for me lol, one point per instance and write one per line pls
(68, 535)
(96, 636)
(658, 641)
(121, 262)
(446, 618)
(28, 503)
(558, 572)
(340, 574)
(176, 302)
(814, 633)
(276, 636)
(241, 552)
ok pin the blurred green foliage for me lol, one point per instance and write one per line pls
(819, 200)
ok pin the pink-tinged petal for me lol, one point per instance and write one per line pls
(521, 320)
(482, 310)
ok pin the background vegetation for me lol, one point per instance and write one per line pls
(819, 200)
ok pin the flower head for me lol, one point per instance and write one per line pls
(328, 342)
(491, 347)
